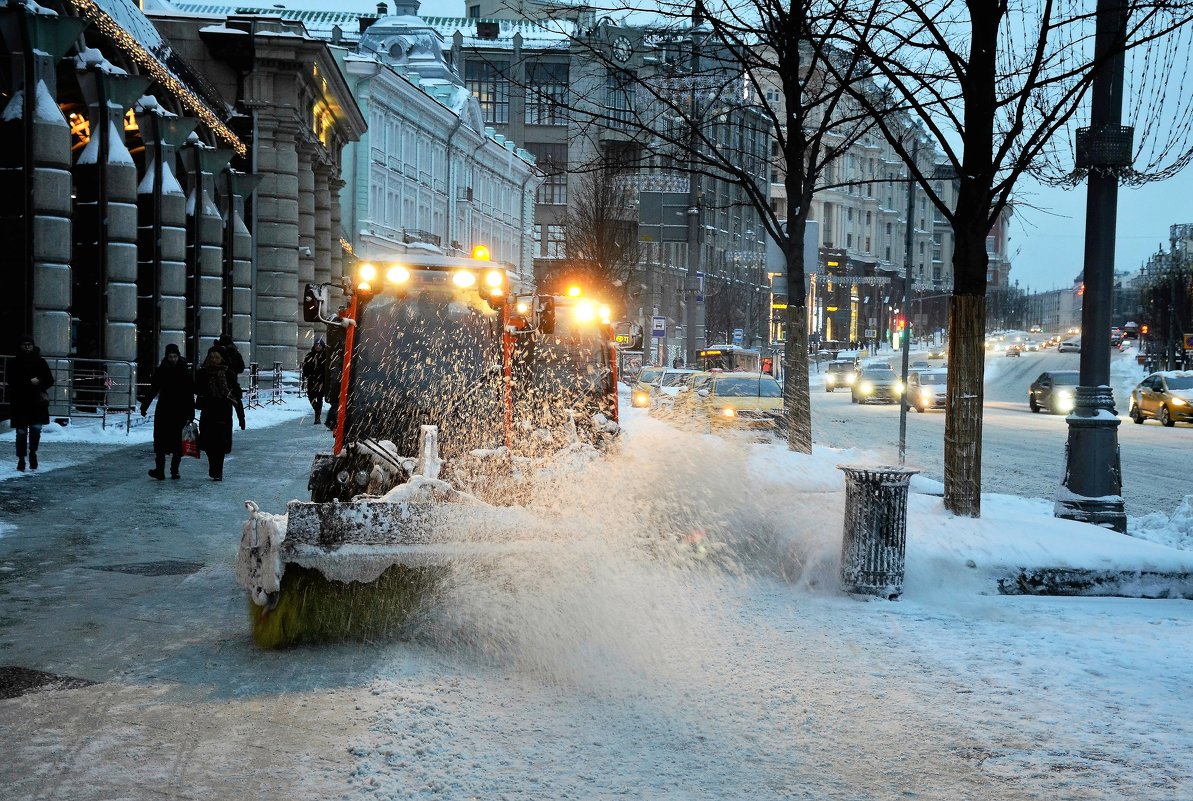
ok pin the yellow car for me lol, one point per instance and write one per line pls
(642, 392)
(737, 400)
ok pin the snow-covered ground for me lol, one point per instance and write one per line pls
(683, 637)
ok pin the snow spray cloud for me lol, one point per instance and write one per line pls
(629, 565)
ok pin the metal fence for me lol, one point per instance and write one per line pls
(102, 388)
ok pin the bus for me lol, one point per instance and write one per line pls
(729, 358)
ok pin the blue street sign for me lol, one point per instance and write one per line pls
(658, 326)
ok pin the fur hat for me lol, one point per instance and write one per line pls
(172, 348)
(320, 341)
(27, 340)
(225, 339)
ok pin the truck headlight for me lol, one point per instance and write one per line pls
(463, 279)
(641, 399)
(865, 387)
(729, 411)
(849, 379)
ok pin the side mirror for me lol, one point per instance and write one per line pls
(547, 315)
(313, 299)
(702, 393)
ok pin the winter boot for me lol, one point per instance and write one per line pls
(158, 473)
(175, 461)
(318, 407)
(32, 460)
(21, 464)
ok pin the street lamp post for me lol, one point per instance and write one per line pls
(1091, 490)
(693, 308)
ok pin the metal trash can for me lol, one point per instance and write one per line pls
(874, 545)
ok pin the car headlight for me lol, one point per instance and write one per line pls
(865, 387)
(849, 379)
(1064, 395)
(641, 399)
(729, 411)
(1175, 401)
(926, 393)
(828, 379)
(898, 387)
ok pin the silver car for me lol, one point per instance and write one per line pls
(926, 389)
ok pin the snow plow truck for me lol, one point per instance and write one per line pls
(446, 384)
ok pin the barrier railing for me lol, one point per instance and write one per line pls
(101, 388)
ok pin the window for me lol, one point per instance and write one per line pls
(990, 251)
(489, 81)
(552, 159)
(619, 97)
(556, 244)
(546, 93)
(474, 12)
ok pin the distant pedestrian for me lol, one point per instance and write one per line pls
(216, 398)
(314, 370)
(175, 392)
(29, 380)
(676, 363)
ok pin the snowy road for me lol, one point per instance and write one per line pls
(602, 668)
(1022, 453)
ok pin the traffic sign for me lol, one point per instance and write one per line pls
(871, 333)
(738, 336)
(1188, 341)
(658, 326)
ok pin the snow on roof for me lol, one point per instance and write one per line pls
(127, 27)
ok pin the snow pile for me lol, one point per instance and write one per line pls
(1174, 530)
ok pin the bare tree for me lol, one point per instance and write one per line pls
(994, 82)
(734, 76)
(600, 233)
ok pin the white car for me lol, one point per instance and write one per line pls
(1069, 346)
(667, 385)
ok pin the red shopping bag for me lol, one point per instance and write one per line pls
(190, 439)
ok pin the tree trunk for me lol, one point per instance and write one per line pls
(963, 421)
(797, 405)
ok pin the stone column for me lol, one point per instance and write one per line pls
(161, 240)
(307, 153)
(277, 244)
(104, 267)
(336, 269)
(204, 248)
(35, 184)
(326, 241)
(238, 259)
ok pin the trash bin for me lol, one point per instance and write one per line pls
(874, 545)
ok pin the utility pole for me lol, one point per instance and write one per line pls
(1092, 487)
(908, 238)
(692, 282)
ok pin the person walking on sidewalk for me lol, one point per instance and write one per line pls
(314, 370)
(175, 393)
(216, 399)
(29, 380)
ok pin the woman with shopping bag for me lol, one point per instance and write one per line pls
(175, 393)
(217, 398)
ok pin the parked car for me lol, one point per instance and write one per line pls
(876, 382)
(1055, 391)
(1069, 346)
(840, 373)
(926, 389)
(1166, 397)
(643, 389)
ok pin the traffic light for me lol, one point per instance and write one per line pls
(1143, 329)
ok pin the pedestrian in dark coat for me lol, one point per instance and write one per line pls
(216, 399)
(314, 370)
(175, 393)
(29, 380)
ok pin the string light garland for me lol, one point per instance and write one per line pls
(137, 52)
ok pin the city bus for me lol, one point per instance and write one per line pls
(729, 358)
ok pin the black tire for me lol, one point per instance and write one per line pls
(1035, 407)
(852, 397)
(828, 389)
(1165, 417)
(1136, 415)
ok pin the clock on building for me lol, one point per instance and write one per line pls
(622, 48)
